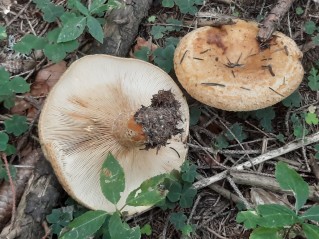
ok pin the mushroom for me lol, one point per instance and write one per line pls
(98, 106)
(225, 67)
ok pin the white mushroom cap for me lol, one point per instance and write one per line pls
(226, 68)
(86, 116)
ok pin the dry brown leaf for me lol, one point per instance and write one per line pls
(260, 196)
(141, 42)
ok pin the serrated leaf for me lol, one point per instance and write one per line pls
(19, 85)
(163, 57)
(294, 100)
(311, 214)
(313, 79)
(3, 33)
(29, 42)
(221, 142)
(149, 193)
(265, 117)
(121, 230)
(249, 218)
(195, 113)
(187, 196)
(173, 24)
(266, 233)
(10, 150)
(289, 179)
(158, 31)
(112, 179)
(311, 118)
(54, 52)
(168, 3)
(311, 231)
(4, 139)
(72, 29)
(178, 220)
(275, 215)
(172, 41)
(237, 131)
(16, 125)
(95, 28)
(85, 225)
(299, 10)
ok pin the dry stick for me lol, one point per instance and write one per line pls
(262, 158)
(19, 13)
(270, 23)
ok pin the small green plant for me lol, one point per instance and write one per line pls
(74, 22)
(3, 33)
(313, 79)
(278, 221)
(112, 180)
(185, 6)
(299, 10)
(312, 29)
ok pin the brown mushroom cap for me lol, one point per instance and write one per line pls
(225, 67)
(89, 113)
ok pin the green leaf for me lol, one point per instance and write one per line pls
(149, 193)
(59, 218)
(311, 214)
(280, 137)
(8, 100)
(4, 174)
(187, 6)
(311, 118)
(311, 231)
(4, 139)
(3, 33)
(187, 230)
(187, 196)
(188, 172)
(265, 117)
(146, 229)
(195, 113)
(158, 32)
(174, 191)
(54, 52)
(4, 75)
(29, 42)
(172, 41)
(16, 125)
(95, 28)
(249, 218)
(266, 233)
(85, 225)
(294, 100)
(69, 46)
(315, 39)
(289, 179)
(221, 142)
(174, 24)
(275, 215)
(72, 29)
(168, 3)
(164, 57)
(10, 150)
(19, 85)
(112, 179)
(299, 10)
(237, 131)
(178, 220)
(310, 27)
(143, 53)
(313, 79)
(51, 12)
(82, 9)
(121, 230)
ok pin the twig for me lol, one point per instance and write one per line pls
(194, 208)
(314, 166)
(19, 13)
(262, 158)
(270, 23)
(6, 163)
(240, 195)
(215, 233)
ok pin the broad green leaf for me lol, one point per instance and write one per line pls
(158, 31)
(311, 214)
(112, 179)
(16, 125)
(315, 39)
(171, 41)
(54, 52)
(174, 24)
(168, 3)
(237, 131)
(95, 5)
(294, 100)
(311, 231)
(85, 225)
(143, 53)
(311, 118)
(69, 46)
(187, 6)
(174, 192)
(3, 33)
(4, 139)
(59, 218)
(29, 42)
(195, 113)
(188, 172)
(146, 229)
(275, 215)
(266, 233)
(164, 57)
(121, 230)
(72, 29)
(82, 9)
(249, 218)
(51, 12)
(8, 100)
(178, 220)
(65, 17)
(289, 179)
(19, 85)
(187, 196)
(150, 192)
(310, 27)
(95, 28)
(4, 75)
(53, 35)
(10, 150)
(187, 230)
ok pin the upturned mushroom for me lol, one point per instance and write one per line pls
(225, 67)
(105, 104)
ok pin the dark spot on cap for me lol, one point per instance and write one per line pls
(216, 38)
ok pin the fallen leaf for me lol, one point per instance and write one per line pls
(141, 42)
